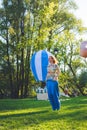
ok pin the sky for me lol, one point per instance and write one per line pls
(81, 12)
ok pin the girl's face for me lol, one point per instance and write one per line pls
(51, 60)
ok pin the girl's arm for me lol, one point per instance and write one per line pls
(58, 70)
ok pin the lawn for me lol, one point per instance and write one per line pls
(31, 114)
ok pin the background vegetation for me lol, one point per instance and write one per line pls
(27, 26)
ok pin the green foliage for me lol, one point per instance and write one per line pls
(83, 81)
(83, 78)
(32, 94)
(28, 26)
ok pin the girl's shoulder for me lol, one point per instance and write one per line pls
(55, 65)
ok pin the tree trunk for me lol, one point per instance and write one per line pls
(22, 72)
(75, 79)
(9, 68)
(27, 71)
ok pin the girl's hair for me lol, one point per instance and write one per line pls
(54, 59)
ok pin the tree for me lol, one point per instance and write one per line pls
(70, 61)
(27, 26)
(83, 81)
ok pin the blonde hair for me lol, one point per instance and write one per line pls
(54, 59)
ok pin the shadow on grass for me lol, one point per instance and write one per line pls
(20, 104)
(39, 117)
(23, 114)
(76, 107)
(75, 103)
(72, 110)
(77, 115)
(46, 115)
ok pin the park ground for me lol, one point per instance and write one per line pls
(32, 114)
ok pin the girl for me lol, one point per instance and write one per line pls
(53, 72)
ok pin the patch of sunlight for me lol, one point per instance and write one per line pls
(64, 99)
(18, 112)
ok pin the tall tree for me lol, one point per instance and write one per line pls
(27, 26)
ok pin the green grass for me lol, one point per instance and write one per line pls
(31, 114)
